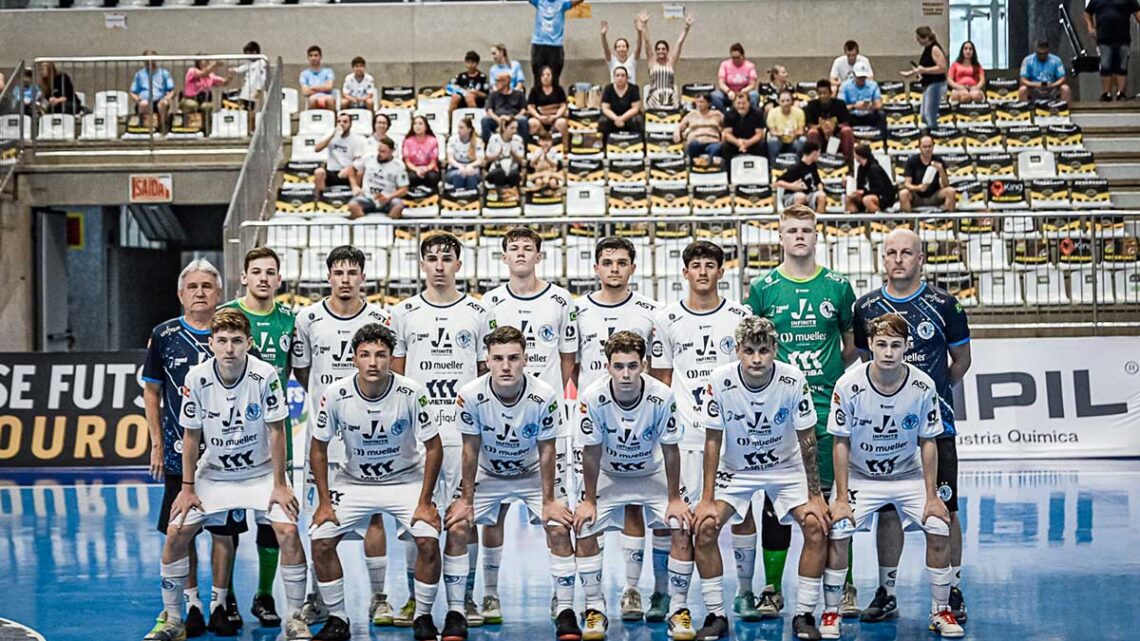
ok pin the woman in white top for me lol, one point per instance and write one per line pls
(506, 153)
(464, 156)
(620, 56)
(661, 90)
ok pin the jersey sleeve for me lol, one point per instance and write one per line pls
(152, 366)
(482, 328)
(838, 421)
(957, 325)
(670, 432)
(931, 416)
(276, 409)
(569, 341)
(755, 297)
(426, 429)
(190, 416)
(846, 307)
(468, 417)
(325, 427)
(662, 350)
(805, 407)
(859, 322)
(590, 426)
(302, 349)
(401, 349)
(551, 427)
(712, 416)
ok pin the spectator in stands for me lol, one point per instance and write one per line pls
(926, 184)
(1108, 22)
(736, 75)
(506, 154)
(546, 41)
(778, 81)
(32, 99)
(469, 88)
(421, 155)
(547, 108)
(384, 185)
(743, 131)
(864, 100)
(843, 67)
(152, 89)
(874, 189)
(621, 105)
(826, 117)
(700, 129)
(60, 92)
(197, 94)
(502, 62)
(317, 81)
(381, 123)
(931, 72)
(464, 156)
(359, 88)
(254, 83)
(785, 127)
(504, 102)
(661, 90)
(344, 148)
(1043, 76)
(966, 78)
(620, 56)
(543, 168)
(801, 183)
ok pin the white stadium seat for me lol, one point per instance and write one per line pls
(230, 123)
(749, 170)
(550, 267)
(287, 232)
(489, 259)
(1000, 288)
(114, 104)
(57, 127)
(853, 255)
(99, 126)
(404, 263)
(457, 116)
(865, 283)
(585, 200)
(11, 124)
(437, 117)
(305, 149)
(986, 252)
(1045, 286)
(1083, 281)
(1036, 164)
(361, 121)
(1127, 284)
(401, 120)
(290, 100)
(317, 121)
(667, 257)
(367, 233)
(329, 235)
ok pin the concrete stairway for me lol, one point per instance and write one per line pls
(1112, 133)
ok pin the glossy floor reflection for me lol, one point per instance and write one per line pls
(1052, 551)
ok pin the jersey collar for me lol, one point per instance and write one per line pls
(193, 330)
(714, 310)
(640, 397)
(871, 382)
(325, 304)
(818, 271)
(921, 288)
(242, 306)
(491, 386)
(451, 304)
(369, 399)
(629, 297)
(744, 382)
(517, 297)
(218, 374)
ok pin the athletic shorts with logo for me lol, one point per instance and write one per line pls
(615, 493)
(492, 492)
(867, 496)
(236, 524)
(251, 495)
(354, 504)
(785, 487)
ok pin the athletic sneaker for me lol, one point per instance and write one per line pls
(265, 610)
(405, 618)
(380, 611)
(829, 626)
(881, 608)
(423, 628)
(715, 627)
(849, 608)
(168, 631)
(336, 629)
(958, 605)
(803, 626)
(631, 605)
(314, 609)
(195, 622)
(554, 611)
(471, 611)
(658, 607)
(492, 611)
(946, 625)
(594, 625)
(771, 603)
(232, 610)
(454, 627)
(158, 622)
(566, 626)
(744, 605)
(681, 626)
(220, 623)
(297, 629)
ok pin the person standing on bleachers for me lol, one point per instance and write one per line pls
(1108, 21)
(317, 81)
(620, 57)
(254, 82)
(1042, 76)
(469, 88)
(152, 89)
(661, 90)
(549, 30)
(931, 72)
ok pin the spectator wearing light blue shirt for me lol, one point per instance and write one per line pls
(317, 82)
(864, 99)
(153, 87)
(503, 64)
(1043, 76)
(549, 29)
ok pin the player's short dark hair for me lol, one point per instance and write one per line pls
(229, 319)
(625, 342)
(358, 60)
(258, 253)
(889, 324)
(505, 335)
(702, 249)
(313, 48)
(810, 147)
(522, 233)
(374, 333)
(615, 242)
(756, 330)
(251, 47)
(823, 83)
(851, 45)
(345, 254)
(440, 238)
(471, 56)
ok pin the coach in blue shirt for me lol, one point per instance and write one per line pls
(549, 29)
(1043, 76)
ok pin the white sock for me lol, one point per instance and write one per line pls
(377, 572)
(192, 599)
(807, 596)
(333, 594)
(939, 588)
(680, 574)
(712, 589)
(491, 559)
(472, 565)
(218, 597)
(293, 576)
(410, 554)
(425, 596)
(562, 573)
(661, 547)
(955, 575)
(744, 551)
(174, 577)
(590, 573)
(313, 581)
(454, 581)
(633, 553)
(887, 578)
(833, 588)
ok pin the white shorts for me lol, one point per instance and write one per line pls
(786, 487)
(908, 496)
(355, 503)
(491, 492)
(450, 474)
(615, 493)
(692, 475)
(219, 497)
(309, 496)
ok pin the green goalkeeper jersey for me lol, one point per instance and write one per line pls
(272, 338)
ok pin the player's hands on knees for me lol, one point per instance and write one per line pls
(460, 511)
(817, 507)
(841, 509)
(937, 509)
(586, 514)
(157, 467)
(283, 496)
(706, 509)
(556, 512)
(186, 500)
(428, 513)
(324, 514)
(677, 514)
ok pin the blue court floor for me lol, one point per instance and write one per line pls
(1052, 551)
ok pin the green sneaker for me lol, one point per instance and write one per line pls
(172, 631)
(658, 608)
(744, 605)
(159, 622)
(406, 615)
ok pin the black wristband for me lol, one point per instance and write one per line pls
(188, 482)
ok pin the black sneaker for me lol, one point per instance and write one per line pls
(1106, 97)
(958, 605)
(265, 609)
(335, 629)
(195, 622)
(566, 626)
(220, 623)
(882, 607)
(715, 627)
(423, 628)
(803, 626)
(232, 610)
(454, 627)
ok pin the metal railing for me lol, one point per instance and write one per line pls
(1012, 270)
(11, 102)
(255, 182)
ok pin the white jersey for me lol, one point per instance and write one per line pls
(759, 425)
(509, 433)
(629, 436)
(547, 319)
(692, 345)
(598, 321)
(884, 429)
(343, 150)
(442, 345)
(362, 88)
(381, 435)
(233, 418)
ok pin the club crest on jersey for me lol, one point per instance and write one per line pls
(398, 427)
(827, 309)
(945, 492)
(910, 422)
(530, 430)
(546, 333)
(727, 345)
(464, 339)
(781, 416)
(925, 330)
(647, 435)
(658, 349)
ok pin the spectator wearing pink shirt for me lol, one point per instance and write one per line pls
(421, 155)
(736, 75)
(197, 96)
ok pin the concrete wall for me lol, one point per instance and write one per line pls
(17, 286)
